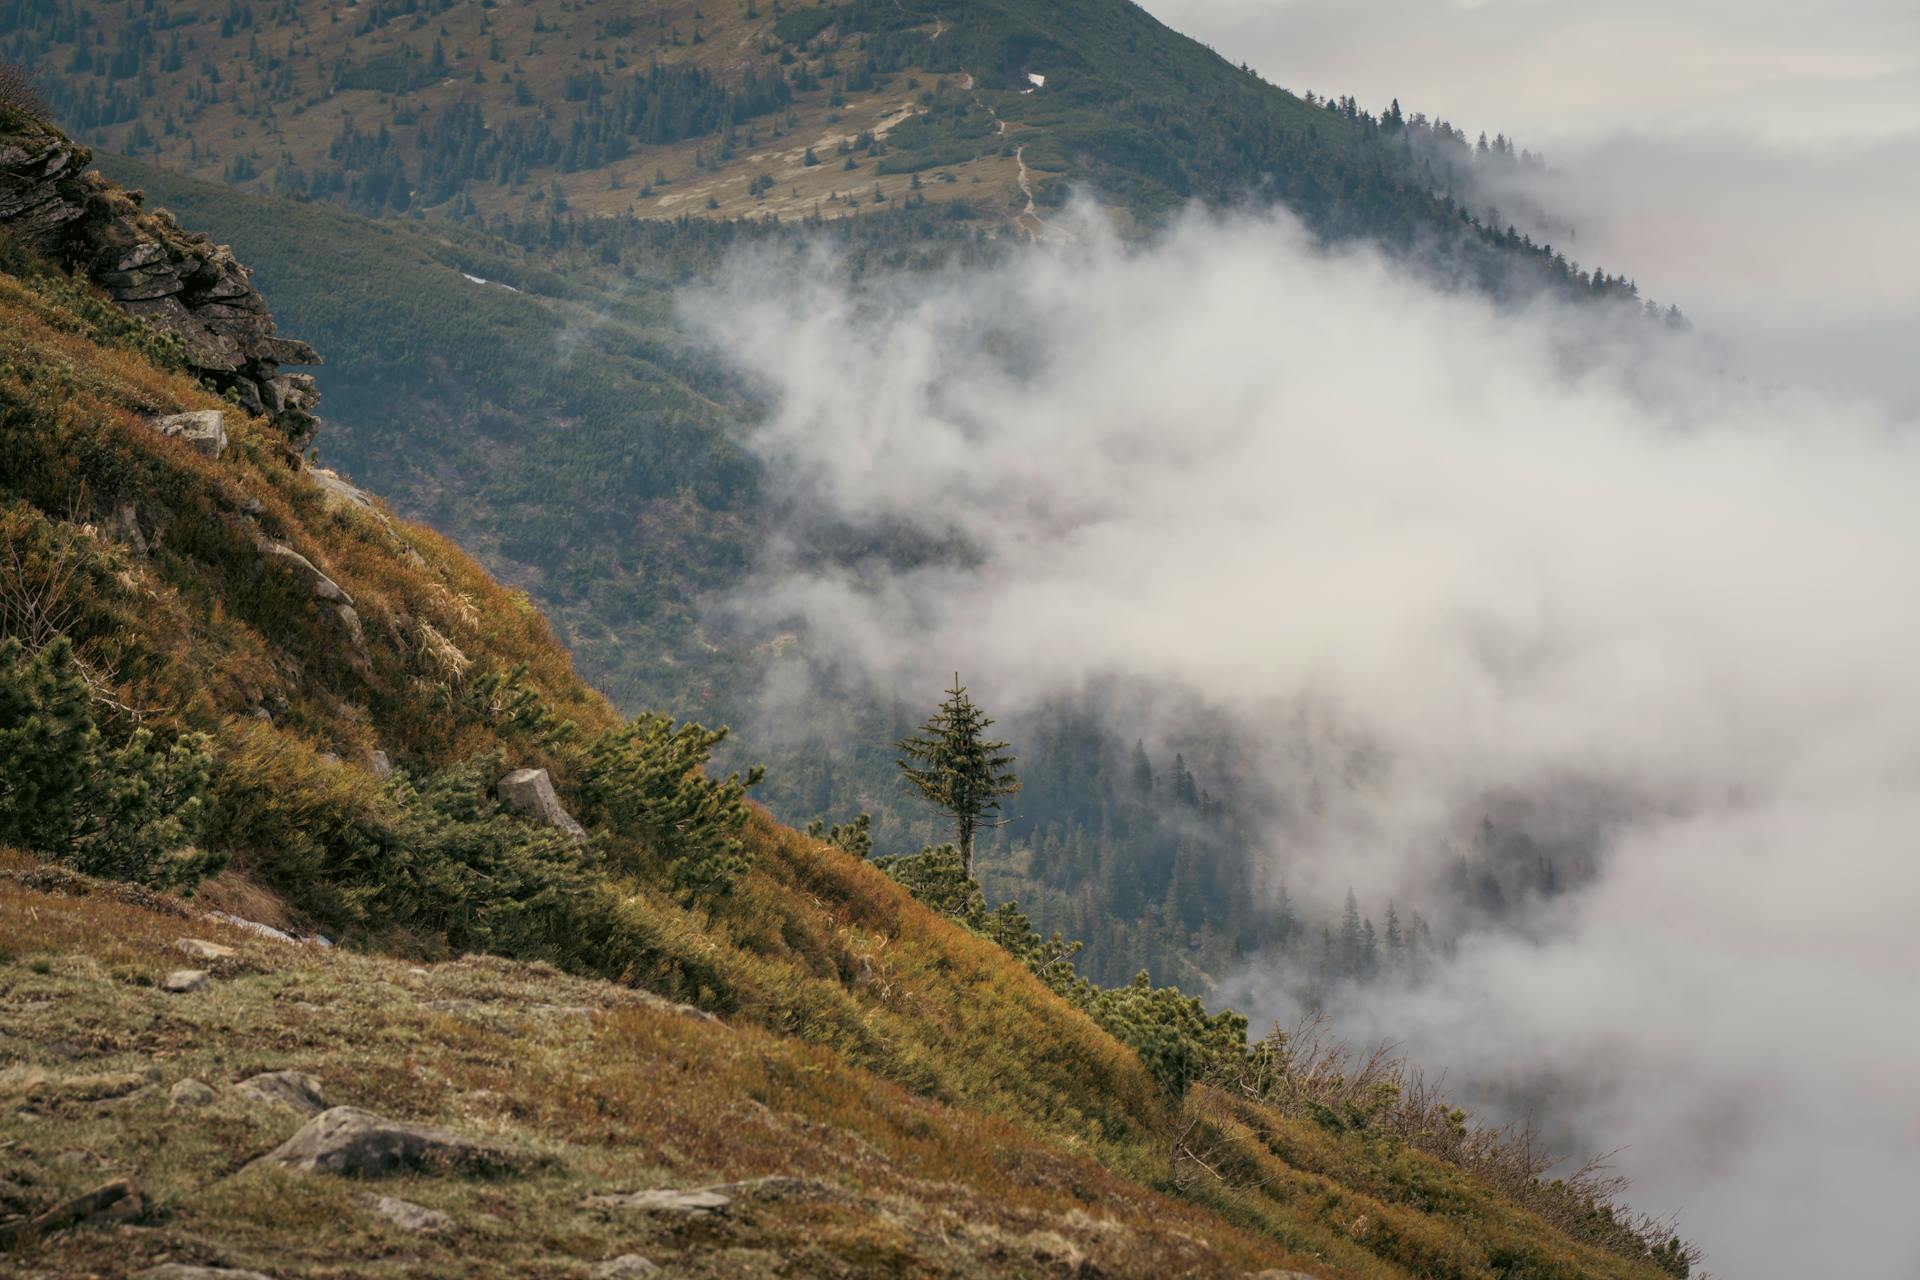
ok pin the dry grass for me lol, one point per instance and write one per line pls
(621, 1091)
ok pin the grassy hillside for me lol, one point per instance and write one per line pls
(181, 695)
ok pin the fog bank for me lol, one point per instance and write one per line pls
(1504, 549)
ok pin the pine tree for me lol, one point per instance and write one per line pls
(1350, 937)
(951, 762)
(1396, 942)
(1142, 771)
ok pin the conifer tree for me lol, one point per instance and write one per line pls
(952, 763)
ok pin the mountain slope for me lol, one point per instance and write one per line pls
(996, 107)
(255, 643)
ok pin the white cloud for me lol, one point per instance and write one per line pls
(1504, 548)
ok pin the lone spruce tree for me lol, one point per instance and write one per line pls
(951, 763)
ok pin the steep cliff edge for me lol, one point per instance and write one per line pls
(177, 280)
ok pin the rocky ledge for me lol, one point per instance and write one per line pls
(178, 281)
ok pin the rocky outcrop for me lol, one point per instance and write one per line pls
(530, 792)
(42, 191)
(178, 281)
(360, 1144)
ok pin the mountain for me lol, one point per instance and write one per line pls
(242, 703)
(488, 216)
(988, 109)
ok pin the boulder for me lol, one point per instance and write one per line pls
(359, 1144)
(409, 1216)
(664, 1200)
(628, 1266)
(530, 792)
(181, 981)
(185, 1271)
(190, 1093)
(204, 429)
(201, 949)
(293, 1090)
(322, 586)
(379, 764)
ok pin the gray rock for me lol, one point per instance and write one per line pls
(253, 926)
(379, 764)
(294, 1090)
(664, 1200)
(321, 585)
(183, 1271)
(190, 1093)
(409, 1216)
(204, 429)
(336, 493)
(201, 949)
(628, 1266)
(356, 1143)
(530, 792)
(181, 981)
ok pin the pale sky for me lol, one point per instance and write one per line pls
(1757, 163)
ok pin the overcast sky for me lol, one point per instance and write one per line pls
(1757, 163)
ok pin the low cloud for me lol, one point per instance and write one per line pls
(1507, 552)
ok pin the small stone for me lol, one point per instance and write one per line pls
(204, 429)
(409, 1216)
(190, 1093)
(201, 949)
(530, 792)
(293, 1090)
(628, 1266)
(181, 981)
(664, 1200)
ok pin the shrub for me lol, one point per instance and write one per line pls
(1177, 1040)
(648, 780)
(130, 812)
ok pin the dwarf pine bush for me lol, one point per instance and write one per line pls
(130, 811)
(647, 779)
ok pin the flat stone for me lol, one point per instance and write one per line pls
(663, 1201)
(628, 1266)
(190, 1093)
(409, 1216)
(294, 1090)
(201, 949)
(204, 429)
(181, 981)
(355, 1143)
(530, 792)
